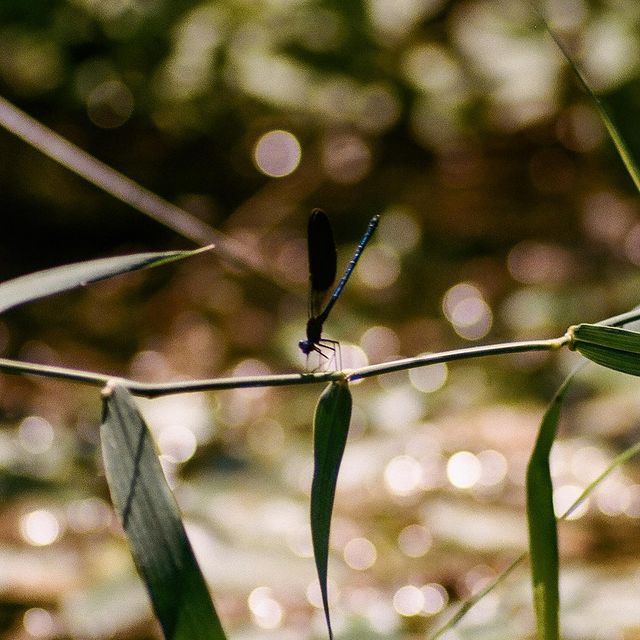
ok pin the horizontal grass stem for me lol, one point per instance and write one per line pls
(152, 390)
(458, 354)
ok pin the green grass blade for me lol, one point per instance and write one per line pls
(611, 347)
(466, 606)
(152, 522)
(612, 130)
(330, 429)
(46, 283)
(619, 460)
(469, 603)
(543, 534)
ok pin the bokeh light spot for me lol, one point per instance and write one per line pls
(431, 69)
(536, 263)
(587, 463)
(88, 515)
(435, 598)
(40, 527)
(564, 496)
(429, 379)
(39, 623)
(579, 128)
(399, 229)
(110, 104)
(177, 443)
(277, 153)
(414, 540)
(464, 470)
(466, 309)
(265, 609)
(408, 600)
(378, 108)
(403, 476)
(346, 158)
(360, 554)
(36, 434)
(494, 467)
(397, 408)
(380, 343)
(382, 617)
(612, 498)
(379, 267)
(352, 356)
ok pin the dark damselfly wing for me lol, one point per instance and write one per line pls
(322, 260)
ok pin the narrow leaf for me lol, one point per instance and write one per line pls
(612, 130)
(45, 283)
(468, 604)
(152, 522)
(330, 429)
(543, 534)
(611, 347)
(472, 601)
(618, 461)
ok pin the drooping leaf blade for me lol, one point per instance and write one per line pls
(541, 519)
(151, 519)
(611, 347)
(330, 430)
(71, 276)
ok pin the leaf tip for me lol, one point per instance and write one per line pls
(203, 249)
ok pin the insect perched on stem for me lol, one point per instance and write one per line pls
(322, 273)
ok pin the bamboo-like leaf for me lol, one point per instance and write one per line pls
(50, 281)
(330, 429)
(152, 522)
(611, 347)
(543, 534)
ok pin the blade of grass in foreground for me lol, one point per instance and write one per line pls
(50, 281)
(152, 522)
(543, 534)
(468, 604)
(612, 130)
(330, 429)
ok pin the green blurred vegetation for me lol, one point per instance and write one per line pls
(459, 122)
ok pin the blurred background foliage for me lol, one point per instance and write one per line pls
(506, 215)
